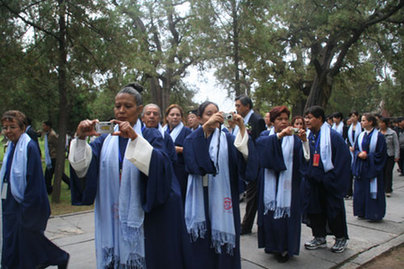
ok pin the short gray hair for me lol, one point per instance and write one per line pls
(151, 105)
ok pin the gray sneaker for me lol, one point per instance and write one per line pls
(317, 242)
(340, 245)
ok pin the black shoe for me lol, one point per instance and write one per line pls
(282, 258)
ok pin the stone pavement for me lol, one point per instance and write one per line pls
(75, 234)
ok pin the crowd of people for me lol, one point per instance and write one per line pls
(167, 186)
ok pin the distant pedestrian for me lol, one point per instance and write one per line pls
(51, 141)
(400, 133)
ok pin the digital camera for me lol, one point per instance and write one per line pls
(104, 127)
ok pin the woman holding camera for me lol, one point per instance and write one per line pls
(279, 204)
(212, 212)
(139, 219)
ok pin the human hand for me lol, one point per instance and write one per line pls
(125, 130)
(86, 128)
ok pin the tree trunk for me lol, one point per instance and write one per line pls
(63, 107)
(156, 92)
(236, 57)
(320, 90)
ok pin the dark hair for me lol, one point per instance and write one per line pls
(277, 111)
(48, 123)
(299, 118)
(372, 118)
(316, 111)
(28, 121)
(245, 100)
(16, 115)
(354, 113)
(169, 109)
(337, 115)
(193, 111)
(203, 106)
(133, 89)
(385, 120)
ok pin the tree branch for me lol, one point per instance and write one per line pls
(17, 13)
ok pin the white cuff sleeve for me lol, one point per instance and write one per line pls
(306, 150)
(241, 143)
(80, 156)
(139, 152)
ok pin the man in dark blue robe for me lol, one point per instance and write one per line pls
(198, 162)
(24, 224)
(166, 241)
(324, 190)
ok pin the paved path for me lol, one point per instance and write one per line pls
(75, 234)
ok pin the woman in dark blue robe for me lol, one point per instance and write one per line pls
(174, 118)
(369, 200)
(166, 242)
(25, 214)
(198, 162)
(280, 234)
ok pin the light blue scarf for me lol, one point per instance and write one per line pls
(339, 128)
(372, 148)
(357, 132)
(18, 173)
(175, 132)
(118, 213)
(220, 200)
(279, 198)
(271, 130)
(325, 147)
(48, 160)
(161, 130)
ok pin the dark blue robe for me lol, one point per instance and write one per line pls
(279, 235)
(166, 240)
(24, 224)
(364, 170)
(179, 165)
(170, 148)
(198, 162)
(334, 182)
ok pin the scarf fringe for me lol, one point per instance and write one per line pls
(269, 207)
(282, 212)
(279, 212)
(197, 231)
(220, 239)
(109, 260)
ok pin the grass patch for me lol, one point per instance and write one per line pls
(64, 207)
